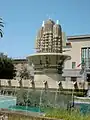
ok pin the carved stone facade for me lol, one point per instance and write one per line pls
(48, 60)
(49, 38)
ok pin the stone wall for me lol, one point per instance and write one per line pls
(12, 115)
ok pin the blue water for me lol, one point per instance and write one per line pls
(6, 101)
(24, 108)
(9, 102)
(83, 107)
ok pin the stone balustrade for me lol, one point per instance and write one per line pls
(43, 84)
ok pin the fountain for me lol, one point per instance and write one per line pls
(40, 101)
(55, 97)
(48, 60)
(48, 64)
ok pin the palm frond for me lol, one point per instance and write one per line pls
(1, 25)
(1, 22)
(1, 18)
(1, 30)
(1, 34)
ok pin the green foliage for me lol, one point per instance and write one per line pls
(66, 115)
(7, 69)
(24, 73)
(1, 26)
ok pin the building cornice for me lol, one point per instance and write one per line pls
(76, 37)
(16, 61)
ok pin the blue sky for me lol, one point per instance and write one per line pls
(24, 17)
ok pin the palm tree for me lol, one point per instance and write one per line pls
(1, 26)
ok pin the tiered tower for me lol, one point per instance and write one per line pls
(48, 59)
(49, 38)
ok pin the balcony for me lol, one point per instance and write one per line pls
(72, 73)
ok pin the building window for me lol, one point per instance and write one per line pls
(73, 79)
(85, 56)
(73, 65)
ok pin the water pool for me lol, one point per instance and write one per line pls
(9, 102)
(24, 108)
(83, 107)
(6, 101)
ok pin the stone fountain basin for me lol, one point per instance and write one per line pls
(52, 58)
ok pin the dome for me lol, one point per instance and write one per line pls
(50, 22)
(58, 27)
(48, 26)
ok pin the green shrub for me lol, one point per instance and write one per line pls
(66, 115)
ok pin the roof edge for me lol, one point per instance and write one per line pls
(78, 37)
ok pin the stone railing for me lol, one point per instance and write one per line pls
(43, 84)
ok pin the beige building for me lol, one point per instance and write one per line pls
(78, 47)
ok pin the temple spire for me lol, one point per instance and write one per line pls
(43, 24)
(57, 22)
